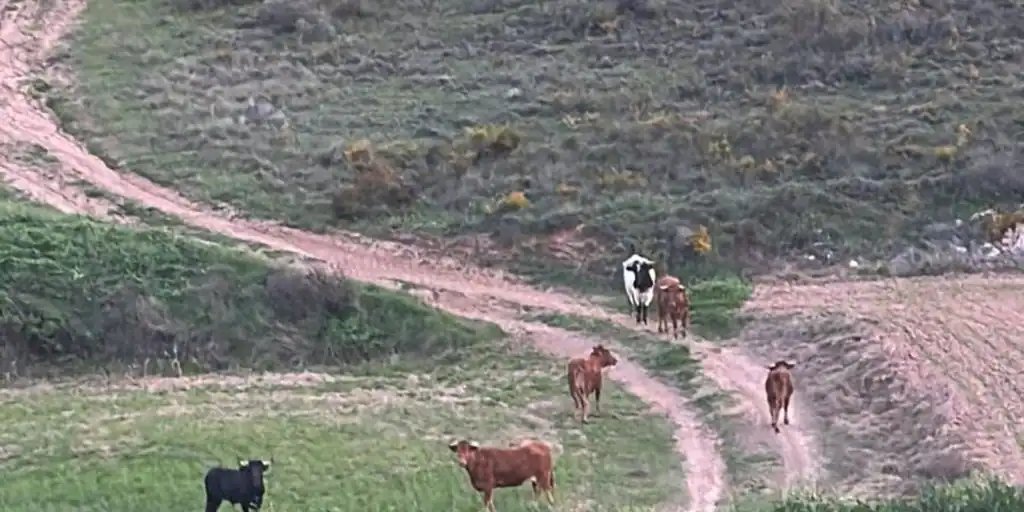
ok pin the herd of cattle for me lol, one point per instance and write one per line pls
(492, 467)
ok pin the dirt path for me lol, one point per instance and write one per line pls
(466, 291)
(955, 340)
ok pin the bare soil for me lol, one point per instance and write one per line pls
(910, 378)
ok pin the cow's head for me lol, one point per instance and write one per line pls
(676, 288)
(603, 355)
(643, 280)
(254, 469)
(465, 451)
(782, 365)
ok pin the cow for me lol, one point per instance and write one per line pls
(491, 467)
(236, 486)
(584, 376)
(638, 277)
(672, 302)
(779, 388)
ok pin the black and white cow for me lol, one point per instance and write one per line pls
(638, 277)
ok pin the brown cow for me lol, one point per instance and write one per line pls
(584, 377)
(779, 387)
(491, 467)
(672, 301)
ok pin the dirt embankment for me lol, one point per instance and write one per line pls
(909, 379)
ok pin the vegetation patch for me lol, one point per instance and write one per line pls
(374, 443)
(80, 291)
(969, 495)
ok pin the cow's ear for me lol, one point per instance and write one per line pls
(243, 463)
(454, 445)
(474, 446)
(790, 365)
(266, 464)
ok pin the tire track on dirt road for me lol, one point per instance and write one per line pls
(462, 290)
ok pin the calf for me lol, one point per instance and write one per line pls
(491, 467)
(779, 387)
(672, 301)
(584, 377)
(638, 277)
(242, 486)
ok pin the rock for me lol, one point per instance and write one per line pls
(906, 262)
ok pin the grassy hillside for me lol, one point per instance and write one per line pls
(75, 290)
(782, 126)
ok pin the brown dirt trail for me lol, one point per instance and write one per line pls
(461, 289)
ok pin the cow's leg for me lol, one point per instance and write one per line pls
(638, 313)
(785, 409)
(549, 487)
(586, 409)
(597, 399)
(675, 327)
(245, 507)
(212, 504)
(489, 499)
(773, 409)
(646, 307)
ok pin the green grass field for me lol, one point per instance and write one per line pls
(373, 443)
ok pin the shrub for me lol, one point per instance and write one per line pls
(376, 188)
(514, 201)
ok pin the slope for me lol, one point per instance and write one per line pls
(940, 350)
(623, 118)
